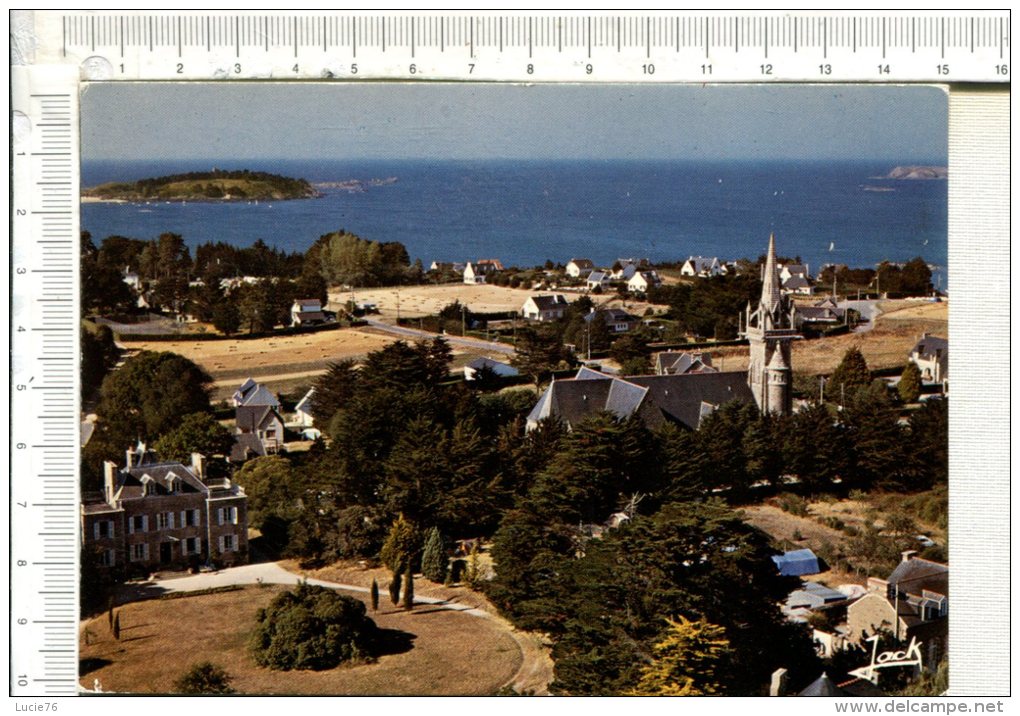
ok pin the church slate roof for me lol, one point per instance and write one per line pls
(656, 399)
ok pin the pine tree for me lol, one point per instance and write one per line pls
(402, 545)
(851, 373)
(395, 589)
(686, 660)
(116, 627)
(375, 595)
(109, 611)
(910, 383)
(433, 559)
(409, 588)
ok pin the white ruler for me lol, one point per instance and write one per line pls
(44, 382)
(57, 50)
(968, 46)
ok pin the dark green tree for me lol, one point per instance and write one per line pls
(909, 386)
(204, 678)
(197, 432)
(538, 351)
(395, 588)
(311, 628)
(434, 561)
(333, 390)
(226, 316)
(374, 593)
(852, 373)
(146, 397)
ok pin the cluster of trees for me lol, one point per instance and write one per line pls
(175, 283)
(154, 397)
(312, 628)
(709, 307)
(348, 260)
(911, 279)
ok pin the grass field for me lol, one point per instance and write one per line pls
(450, 654)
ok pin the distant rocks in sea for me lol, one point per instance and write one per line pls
(918, 172)
(355, 186)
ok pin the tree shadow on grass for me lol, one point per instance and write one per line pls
(392, 641)
(87, 666)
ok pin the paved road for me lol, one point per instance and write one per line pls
(869, 311)
(264, 573)
(454, 340)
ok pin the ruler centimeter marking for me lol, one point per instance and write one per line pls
(728, 47)
(44, 384)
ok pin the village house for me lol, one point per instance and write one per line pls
(642, 281)
(788, 271)
(597, 280)
(799, 286)
(544, 308)
(912, 603)
(823, 313)
(447, 266)
(624, 269)
(616, 319)
(307, 312)
(252, 393)
(579, 268)
(132, 279)
(701, 266)
(476, 273)
(157, 514)
(258, 432)
(303, 410)
(931, 356)
(681, 362)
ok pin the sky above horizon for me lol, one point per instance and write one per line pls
(368, 121)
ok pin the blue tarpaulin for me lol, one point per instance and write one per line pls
(797, 563)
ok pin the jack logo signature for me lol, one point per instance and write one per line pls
(911, 656)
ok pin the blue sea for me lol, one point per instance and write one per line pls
(526, 212)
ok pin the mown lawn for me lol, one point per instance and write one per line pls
(443, 652)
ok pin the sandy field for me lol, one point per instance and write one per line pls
(485, 298)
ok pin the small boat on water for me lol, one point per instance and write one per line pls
(832, 246)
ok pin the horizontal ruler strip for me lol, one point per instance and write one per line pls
(718, 47)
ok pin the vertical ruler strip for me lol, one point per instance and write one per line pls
(44, 383)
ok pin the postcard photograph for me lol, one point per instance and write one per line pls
(476, 389)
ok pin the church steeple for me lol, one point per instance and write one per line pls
(770, 292)
(769, 328)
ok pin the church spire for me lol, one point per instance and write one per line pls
(770, 293)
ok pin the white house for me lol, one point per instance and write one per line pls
(475, 273)
(303, 410)
(306, 312)
(252, 393)
(788, 271)
(544, 308)
(132, 279)
(616, 319)
(701, 266)
(597, 279)
(931, 356)
(642, 281)
(576, 268)
(799, 285)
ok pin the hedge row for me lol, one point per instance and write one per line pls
(164, 337)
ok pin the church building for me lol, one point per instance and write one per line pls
(687, 397)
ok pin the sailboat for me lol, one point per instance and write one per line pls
(832, 246)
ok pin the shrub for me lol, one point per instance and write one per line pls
(835, 523)
(794, 504)
(311, 628)
(204, 678)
